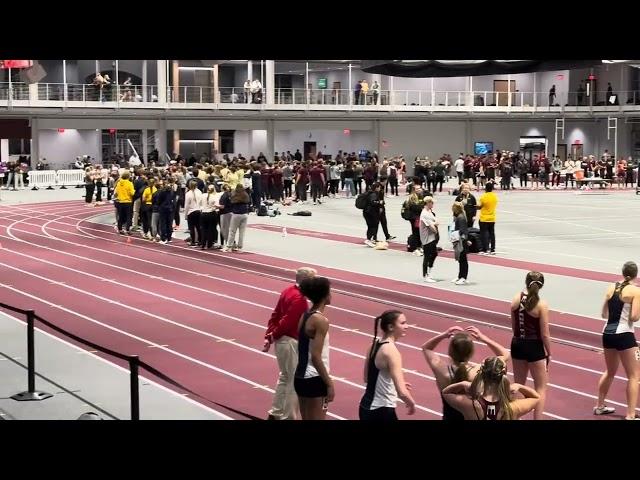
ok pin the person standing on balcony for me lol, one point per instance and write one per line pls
(552, 96)
(581, 93)
(256, 91)
(364, 91)
(356, 93)
(375, 90)
(247, 91)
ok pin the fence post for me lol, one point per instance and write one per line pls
(134, 362)
(31, 393)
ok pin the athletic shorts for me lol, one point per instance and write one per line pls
(530, 350)
(380, 414)
(619, 341)
(310, 387)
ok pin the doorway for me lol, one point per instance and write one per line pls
(576, 151)
(501, 95)
(309, 150)
(562, 151)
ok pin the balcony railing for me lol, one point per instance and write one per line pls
(16, 95)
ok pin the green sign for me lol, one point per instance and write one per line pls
(322, 83)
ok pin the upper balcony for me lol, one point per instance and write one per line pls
(17, 96)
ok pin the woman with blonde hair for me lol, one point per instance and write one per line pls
(457, 367)
(489, 396)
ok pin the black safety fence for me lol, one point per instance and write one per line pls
(134, 362)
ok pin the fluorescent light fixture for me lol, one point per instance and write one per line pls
(193, 69)
(195, 141)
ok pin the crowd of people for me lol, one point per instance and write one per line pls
(469, 391)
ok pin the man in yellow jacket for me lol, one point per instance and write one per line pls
(487, 204)
(124, 194)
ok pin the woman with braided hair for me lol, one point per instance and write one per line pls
(383, 371)
(457, 367)
(621, 309)
(490, 396)
(531, 342)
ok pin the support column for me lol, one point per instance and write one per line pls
(250, 78)
(35, 142)
(175, 80)
(161, 140)
(144, 81)
(145, 148)
(378, 137)
(468, 136)
(162, 87)
(64, 81)
(216, 142)
(250, 143)
(4, 150)
(271, 82)
(215, 82)
(176, 141)
(535, 90)
(271, 141)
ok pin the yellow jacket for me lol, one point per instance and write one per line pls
(124, 191)
(147, 195)
(488, 202)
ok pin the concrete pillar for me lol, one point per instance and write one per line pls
(4, 150)
(35, 142)
(162, 87)
(271, 141)
(175, 76)
(270, 80)
(161, 140)
(145, 148)
(378, 138)
(144, 81)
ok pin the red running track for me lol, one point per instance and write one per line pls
(200, 316)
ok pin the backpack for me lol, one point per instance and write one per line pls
(263, 211)
(362, 200)
(405, 212)
(301, 213)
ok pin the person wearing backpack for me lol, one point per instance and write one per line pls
(411, 210)
(371, 212)
(393, 178)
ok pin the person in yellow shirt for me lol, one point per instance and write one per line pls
(364, 91)
(147, 208)
(487, 204)
(124, 193)
(232, 177)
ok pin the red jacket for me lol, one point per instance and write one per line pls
(285, 317)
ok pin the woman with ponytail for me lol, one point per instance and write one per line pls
(457, 368)
(621, 309)
(489, 396)
(383, 371)
(531, 343)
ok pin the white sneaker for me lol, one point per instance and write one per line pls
(369, 243)
(418, 253)
(493, 252)
(460, 281)
(604, 410)
(455, 280)
(224, 249)
(483, 253)
(428, 279)
(163, 242)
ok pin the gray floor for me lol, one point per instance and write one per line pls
(586, 231)
(80, 382)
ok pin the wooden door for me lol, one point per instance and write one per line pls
(562, 151)
(501, 95)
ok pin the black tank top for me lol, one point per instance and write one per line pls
(372, 377)
(448, 412)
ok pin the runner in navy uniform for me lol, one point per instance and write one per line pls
(621, 309)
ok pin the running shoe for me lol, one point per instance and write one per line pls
(461, 281)
(604, 410)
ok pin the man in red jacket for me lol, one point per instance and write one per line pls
(283, 331)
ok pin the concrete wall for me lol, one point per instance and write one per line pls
(60, 149)
(328, 141)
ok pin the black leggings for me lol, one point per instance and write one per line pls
(124, 215)
(372, 219)
(463, 263)
(209, 229)
(393, 183)
(98, 191)
(567, 178)
(193, 221)
(430, 251)
(555, 179)
(145, 213)
(166, 221)
(301, 191)
(523, 179)
(316, 191)
(383, 224)
(488, 236)
(287, 187)
(89, 195)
